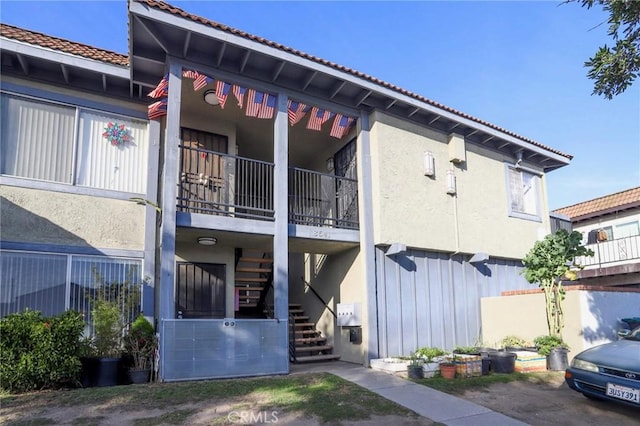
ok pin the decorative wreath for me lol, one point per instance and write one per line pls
(116, 134)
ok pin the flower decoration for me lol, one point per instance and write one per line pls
(116, 134)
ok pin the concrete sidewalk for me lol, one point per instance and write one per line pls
(435, 405)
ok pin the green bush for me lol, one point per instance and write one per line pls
(545, 344)
(38, 352)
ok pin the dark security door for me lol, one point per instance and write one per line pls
(200, 290)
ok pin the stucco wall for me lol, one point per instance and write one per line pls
(591, 317)
(36, 216)
(414, 209)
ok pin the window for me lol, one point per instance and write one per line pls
(630, 229)
(53, 283)
(523, 194)
(58, 143)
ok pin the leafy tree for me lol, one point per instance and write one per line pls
(547, 264)
(614, 69)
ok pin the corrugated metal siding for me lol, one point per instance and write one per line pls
(429, 299)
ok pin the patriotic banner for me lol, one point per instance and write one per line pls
(157, 109)
(254, 101)
(317, 118)
(268, 107)
(222, 91)
(296, 111)
(189, 74)
(201, 81)
(162, 89)
(341, 126)
(238, 92)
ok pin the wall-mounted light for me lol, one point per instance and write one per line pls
(330, 164)
(429, 164)
(211, 98)
(207, 241)
(451, 182)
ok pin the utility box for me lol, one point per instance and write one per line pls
(349, 314)
(457, 150)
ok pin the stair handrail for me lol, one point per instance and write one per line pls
(308, 285)
(292, 339)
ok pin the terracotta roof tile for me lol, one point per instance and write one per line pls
(62, 45)
(179, 12)
(609, 203)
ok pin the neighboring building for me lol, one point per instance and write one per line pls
(610, 226)
(384, 215)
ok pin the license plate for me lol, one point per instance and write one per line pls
(623, 392)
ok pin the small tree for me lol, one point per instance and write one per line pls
(547, 264)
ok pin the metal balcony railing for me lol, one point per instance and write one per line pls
(215, 183)
(620, 251)
(319, 199)
(221, 184)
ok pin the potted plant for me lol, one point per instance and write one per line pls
(102, 353)
(468, 360)
(414, 368)
(448, 367)
(140, 345)
(430, 357)
(555, 349)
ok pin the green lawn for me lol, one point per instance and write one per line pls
(324, 396)
(459, 385)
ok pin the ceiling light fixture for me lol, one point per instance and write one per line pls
(211, 98)
(207, 241)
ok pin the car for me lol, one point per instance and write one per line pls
(609, 372)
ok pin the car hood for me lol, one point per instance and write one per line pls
(621, 355)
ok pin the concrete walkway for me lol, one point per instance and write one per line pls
(435, 405)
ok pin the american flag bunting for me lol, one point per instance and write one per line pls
(238, 92)
(296, 111)
(268, 106)
(254, 101)
(222, 91)
(317, 118)
(201, 81)
(157, 109)
(341, 126)
(189, 74)
(162, 89)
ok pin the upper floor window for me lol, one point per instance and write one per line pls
(524, 194)
(66, 144)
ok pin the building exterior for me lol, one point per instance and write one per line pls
(304, 209)
(610, 226)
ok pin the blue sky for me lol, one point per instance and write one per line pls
(516, 64)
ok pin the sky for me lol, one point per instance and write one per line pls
(516, 64)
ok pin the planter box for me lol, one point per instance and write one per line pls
(530, 362)
(468, 365)
(389, 365)
(431, 370)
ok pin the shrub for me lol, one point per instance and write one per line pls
(429, 354)
(545, 344)
(140, 343)
(38, 352)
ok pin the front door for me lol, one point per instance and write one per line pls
(200, 290)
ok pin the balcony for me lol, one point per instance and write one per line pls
(613, 253)
(214, 183)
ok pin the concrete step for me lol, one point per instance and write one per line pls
(306, 340)
(303, 332)
(256, 270)
(313, 348)
(305, 324)
(300, 318)
(264, 260)
(314, 358)
(242, 288)
(251, 280)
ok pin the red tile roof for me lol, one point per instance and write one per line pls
(179, 12)
(608, 204)
(62, 45)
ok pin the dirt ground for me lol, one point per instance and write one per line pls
(552, 403)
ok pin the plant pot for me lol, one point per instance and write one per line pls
(558, 360)
(414, 371)
(502, 362)
(486, 365)
(139, 376)
(448, 371)
(100, 372)
(430, 369)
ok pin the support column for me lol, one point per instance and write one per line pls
(169, 182)
(367, 249)
(280, 201)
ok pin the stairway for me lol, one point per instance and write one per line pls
(308, 342)
(252, 279)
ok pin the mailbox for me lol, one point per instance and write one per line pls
(349, 314)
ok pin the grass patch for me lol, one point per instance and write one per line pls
(321, 395)
(459, 386)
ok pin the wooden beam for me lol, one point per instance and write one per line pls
(221, 54)
(363, 96)
(337, 89)
(155, 37)
(245, 59)
(390, 104)
(104, 82)
(65, 73)
(414, 112)
(433, 120)
(185, 46)
(23, 63)
(487, 140)
(309, 79)
(454, 126)
(277, 72)
(472, 133)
